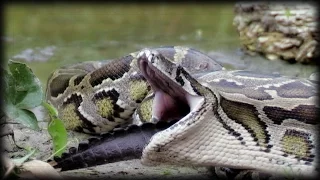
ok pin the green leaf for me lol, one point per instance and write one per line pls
(59, 136)
(24, 89)
(22, 116)
(56, 130)
(51, 110)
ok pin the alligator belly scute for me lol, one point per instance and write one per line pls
(118, 145)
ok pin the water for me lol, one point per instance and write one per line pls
(83, 32)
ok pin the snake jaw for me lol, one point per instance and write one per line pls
(171, 100)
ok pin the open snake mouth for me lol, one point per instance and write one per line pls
(171, 101)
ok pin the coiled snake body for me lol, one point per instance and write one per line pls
(234, 119)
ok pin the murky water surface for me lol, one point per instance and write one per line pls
(49, 36)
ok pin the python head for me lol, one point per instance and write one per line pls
(177, 94)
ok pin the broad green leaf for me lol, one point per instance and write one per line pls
(24, 89)
(22, 116)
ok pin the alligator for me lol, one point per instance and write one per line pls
(117, 145)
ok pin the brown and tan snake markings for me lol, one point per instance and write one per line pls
(233, 119)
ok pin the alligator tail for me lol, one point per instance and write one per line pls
(118, 145)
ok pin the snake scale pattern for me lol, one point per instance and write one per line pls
(234, 119)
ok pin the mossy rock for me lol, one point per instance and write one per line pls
(285, 31)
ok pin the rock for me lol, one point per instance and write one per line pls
(36, 54)
(39, 170)
(278, 30)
